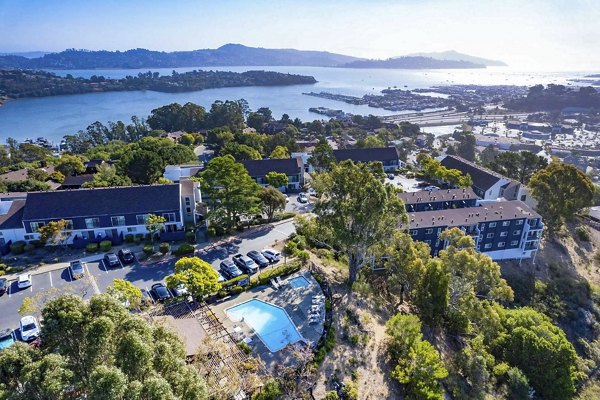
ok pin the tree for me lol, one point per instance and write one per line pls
(198, 276)
(155, 224)
(359, 208)
(27, 185)
(141, 166)
(240, 152)
(107, 383)
(276, 179)
(519, 166)
(370, 142)
(47, 378)
(187, 139)
(37, 174)
(272, 201)
(107, 176)
(55, 232)
(126, 293)
(219, 137)
(489, 154)
(561, 191)
(230, 190)
(418, 364)
(280, 152)
(69, 165)
(322, 156)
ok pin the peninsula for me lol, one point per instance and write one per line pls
(26, 83)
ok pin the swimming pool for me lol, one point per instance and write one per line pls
(271, 323)
(298, 282)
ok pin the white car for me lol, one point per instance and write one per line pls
(431, 188)
(272, 255)
(302, 198)
(312, 192)
(24, 281)
(30, 329)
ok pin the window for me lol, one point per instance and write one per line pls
(492, 224)
(170, 217)
(118, 220)
(29, 237)
(523, 197)
(487, 246)
(188, 210)
(517, 232)
(503, 234)
(187, 201)
(501, 244)
(429, 231)
(490, 236)
(413, 232)
(92, 223)
(36, 225)
(514, 242)
(141, 219)
(69, 225)
(520, 222)
(505, 223)
(132, 229)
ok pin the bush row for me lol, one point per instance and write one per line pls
(264, 277)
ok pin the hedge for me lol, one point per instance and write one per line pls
(138, 238)
(129, 238)
(17, 247)
(233, 281)
(105, 245)
(91, 247)
(190, 237)
(264, 277)
(164, 247)
(29, 248)
(183, 249)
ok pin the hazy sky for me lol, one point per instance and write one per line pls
(528, 34)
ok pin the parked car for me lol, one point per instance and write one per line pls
(7, 338)
(220, 277)
(179, 290)
(160, 292)
(3, 286)
(29, 328)
(312, 192)
(245, 263)
(432, 188)
(111, 260)
(126, 256)
(258, 258)
(272, 255)
(24, 281)
(230, 270)
(302, 198)
(390, 176)
(76, 269)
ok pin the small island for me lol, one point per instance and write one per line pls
(17, 83)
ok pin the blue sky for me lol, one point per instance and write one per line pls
(534, 34)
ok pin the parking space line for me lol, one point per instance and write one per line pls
(92, 280)
(9, 289)
(70, 275)
(104, 265)
(50, 275)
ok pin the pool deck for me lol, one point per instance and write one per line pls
(296, 301)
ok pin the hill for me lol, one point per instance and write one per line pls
(227, 55)
(452, 55)
(410, 62)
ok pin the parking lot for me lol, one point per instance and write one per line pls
(143, 275)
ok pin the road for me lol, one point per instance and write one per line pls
(143, 275)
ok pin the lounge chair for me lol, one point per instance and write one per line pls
(280, 281)
(274, 283)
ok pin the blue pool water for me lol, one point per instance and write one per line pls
(272, 324)
(298, 282)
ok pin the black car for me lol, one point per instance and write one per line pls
(126, 256)
(111, 260)
(3, 286)
(160, 292)
(258, 258)
(229, 269)
(76, 269)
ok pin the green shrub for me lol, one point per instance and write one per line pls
(137, 239)
(583, 234)
(326, 346)
(270, 391)
(237, 289)
(148, 249)
(303, 256)
(245, 347)
(184, 248)
(222, 293)
(281, 270)
(300, 241)
(190, 237)
(91, 247)
(350, 390)
(105, 245)
(164, 247)
(211, 231)
(17, 247)
(29, 248)
(37, 243)
(280, 216)
(332, 395)
(290, 247)
(129, 238)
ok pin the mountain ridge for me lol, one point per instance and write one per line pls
(453, 55)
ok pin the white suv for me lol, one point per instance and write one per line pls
(29, 327)
(24, 281)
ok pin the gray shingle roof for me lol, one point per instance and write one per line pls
(13, 219)
(101, 201)
(483, 178)
(498, 211)
(259, 168)
(425, 196)
(366, 155)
